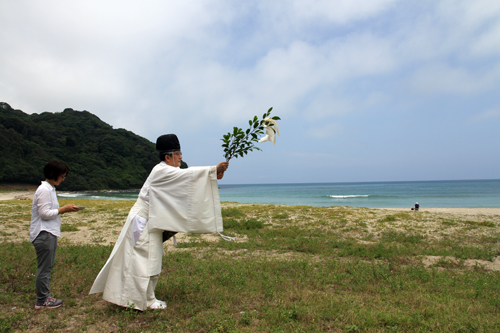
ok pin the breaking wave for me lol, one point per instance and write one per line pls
(348, 196)
(70, 195)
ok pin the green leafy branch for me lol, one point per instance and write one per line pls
(239, 142)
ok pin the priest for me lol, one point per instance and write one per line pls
(171, 199)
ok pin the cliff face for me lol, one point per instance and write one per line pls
(99, 157)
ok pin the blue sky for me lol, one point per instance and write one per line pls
(380, 90)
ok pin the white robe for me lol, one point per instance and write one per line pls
(181, 200)
(184, 200)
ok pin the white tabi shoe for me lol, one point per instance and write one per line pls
(158, 305)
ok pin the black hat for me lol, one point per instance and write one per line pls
(167, 143)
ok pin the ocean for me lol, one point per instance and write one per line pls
(429, 194)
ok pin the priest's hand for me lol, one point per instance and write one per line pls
(221, 168)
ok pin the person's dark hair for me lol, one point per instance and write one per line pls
(54, 169)
(162, 156)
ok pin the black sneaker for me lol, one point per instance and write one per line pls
(50, 303)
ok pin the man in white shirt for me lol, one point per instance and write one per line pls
(45, 228)
(173, 199)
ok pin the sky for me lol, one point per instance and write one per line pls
(367, 90)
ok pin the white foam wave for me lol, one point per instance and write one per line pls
(69, 195)
(348, 196)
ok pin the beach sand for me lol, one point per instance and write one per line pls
(454, 211)
(18, 195)
(17, 191)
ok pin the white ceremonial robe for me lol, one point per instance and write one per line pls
(129, 276)
(184, 200)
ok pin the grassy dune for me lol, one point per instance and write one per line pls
(292, 269)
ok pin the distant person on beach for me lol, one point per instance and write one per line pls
(45, 228)
(416, 207)
(172, 199)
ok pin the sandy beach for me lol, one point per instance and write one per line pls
(457, 211)
(17, 191)
(18, 195)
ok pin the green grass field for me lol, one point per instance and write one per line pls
(293, 269)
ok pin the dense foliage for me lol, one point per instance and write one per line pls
(99, 157)
(239, 142)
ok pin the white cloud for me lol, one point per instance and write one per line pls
(488, 44)
(92, 50)
(442, 78)
(337, 12)
(325, 131)
(124, 52)
(283, 78)
(468, 15)
(472, 26)
(487, 115)
(325, 104)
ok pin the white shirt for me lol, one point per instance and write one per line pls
(45, 212)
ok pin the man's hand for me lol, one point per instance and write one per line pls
(221, 168)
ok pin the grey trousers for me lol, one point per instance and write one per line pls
(45, 245)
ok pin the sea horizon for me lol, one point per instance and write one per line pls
(369, 181)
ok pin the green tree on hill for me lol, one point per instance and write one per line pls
(99, 156)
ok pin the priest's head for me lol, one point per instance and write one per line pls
(170, 149)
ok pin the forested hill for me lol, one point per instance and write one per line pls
(99, 157)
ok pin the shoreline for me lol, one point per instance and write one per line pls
(28, 195)
(461, 211)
